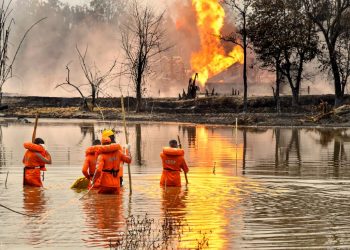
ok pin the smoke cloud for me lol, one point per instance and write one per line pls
(41, 63)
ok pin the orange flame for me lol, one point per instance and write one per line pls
(212, 59)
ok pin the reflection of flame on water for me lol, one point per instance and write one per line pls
(215, 149)
(211, 59)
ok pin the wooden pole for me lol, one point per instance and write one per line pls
(126, 139)
(178, 138)
(33, 137)
(7, 175)
(35, 126)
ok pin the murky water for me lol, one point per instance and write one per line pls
(276, 188)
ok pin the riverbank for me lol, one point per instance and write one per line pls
(313, 110)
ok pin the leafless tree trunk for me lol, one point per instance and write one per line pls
(78, 88)
(95, 80)
(332, 20)
(242, 7)
(142, 39)
(6, 63)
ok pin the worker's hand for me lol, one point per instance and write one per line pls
(44, 146)
(128, 147)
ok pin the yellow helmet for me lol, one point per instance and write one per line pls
(107, 133)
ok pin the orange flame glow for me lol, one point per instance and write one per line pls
(212, 59)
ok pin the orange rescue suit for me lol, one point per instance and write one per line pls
(173, 161)
(108, 163)
(34, 161)
(89, 166)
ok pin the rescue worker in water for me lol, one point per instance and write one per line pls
(111, 134)
(89, 166)
(34, 161)
(173, 162)
(108, 165)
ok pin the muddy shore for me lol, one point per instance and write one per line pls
(211, 110)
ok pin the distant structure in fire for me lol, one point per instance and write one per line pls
(172, 68)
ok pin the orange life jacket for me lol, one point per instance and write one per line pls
(108, 162)
(89, 166)
(173, 162)
(34, 160)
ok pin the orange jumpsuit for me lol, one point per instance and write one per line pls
(89, 166)
(108, 165)
(173, 161)
(34, 161)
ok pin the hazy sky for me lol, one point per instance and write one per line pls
(80, 2)
(74, 2)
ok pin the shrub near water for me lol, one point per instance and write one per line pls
(146, 233)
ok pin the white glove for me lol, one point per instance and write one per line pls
(128, 147)
(44, 146)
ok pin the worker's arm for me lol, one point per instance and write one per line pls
(184, 166)
(126, 157)
(45, 159)
(86, 167)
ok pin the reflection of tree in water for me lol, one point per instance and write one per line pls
(191, 134)
(339, 137)
(138, 143)
(244, 151)
(339, 156)
(245, 131)
(87, 129)
(294, 143)
(2, 150)
(283, 152)
(327, 135)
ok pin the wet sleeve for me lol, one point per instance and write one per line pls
(85, 168)
(184, 166)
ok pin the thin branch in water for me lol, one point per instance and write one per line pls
(29, 215)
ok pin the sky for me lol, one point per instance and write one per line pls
(80, 2)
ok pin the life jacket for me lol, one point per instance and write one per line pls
(173, 162)
(172, 158)
(89, 166)
(32, 159)
(90, 161)
(108, 162)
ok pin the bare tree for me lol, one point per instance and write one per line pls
(75, 87)
(95, 78)
(240, 38)
(95, 81)
(6, 62)
(343, 58)
(142, 39)
(332, 20)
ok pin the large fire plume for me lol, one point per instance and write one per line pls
(211, 59)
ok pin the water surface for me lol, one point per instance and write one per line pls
(280, 188)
